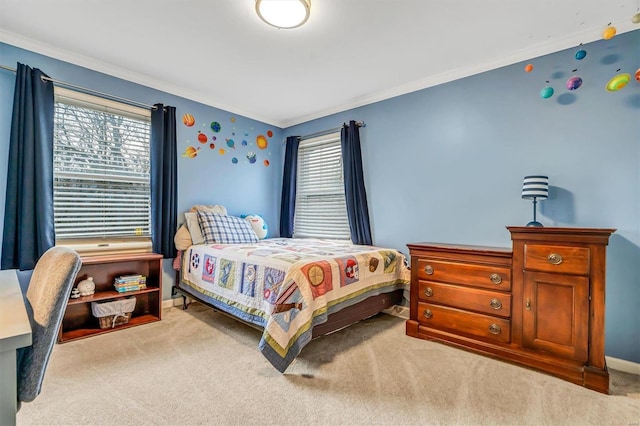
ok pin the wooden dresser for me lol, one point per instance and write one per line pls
(540, 305)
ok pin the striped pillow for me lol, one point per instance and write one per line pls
(217, 228)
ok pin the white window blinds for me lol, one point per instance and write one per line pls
(101, 168)
(321, 211)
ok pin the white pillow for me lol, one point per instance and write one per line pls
(217, 208)
(194, 227)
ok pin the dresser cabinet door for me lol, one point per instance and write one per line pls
(556, 314)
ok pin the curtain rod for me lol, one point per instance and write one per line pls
(326, 132)
(88, 91)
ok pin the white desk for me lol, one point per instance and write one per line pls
(15, 332)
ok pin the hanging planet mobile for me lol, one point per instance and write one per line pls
(546, 92)
(574, 82)
(609, 33)
(581, 54)
(618, 82)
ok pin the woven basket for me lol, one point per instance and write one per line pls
(114, 320)
(114, 313)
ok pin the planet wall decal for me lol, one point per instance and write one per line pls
(216, 127)
(188, 120)
(190, 152)
(261, 142)
(528, 68)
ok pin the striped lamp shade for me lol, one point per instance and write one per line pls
(536, 187)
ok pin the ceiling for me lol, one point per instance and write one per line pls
(349, 53)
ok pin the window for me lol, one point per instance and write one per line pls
(101, 189)
(321, 210)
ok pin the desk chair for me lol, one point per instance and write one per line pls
(46, 300)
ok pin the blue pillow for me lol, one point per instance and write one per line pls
(217, 228)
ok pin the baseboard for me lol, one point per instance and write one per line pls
(169, 303)
(623, 365)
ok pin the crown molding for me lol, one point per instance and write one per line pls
(557, 44)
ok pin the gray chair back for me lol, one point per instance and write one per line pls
(46, 300)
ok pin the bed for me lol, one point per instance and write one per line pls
(293, 289)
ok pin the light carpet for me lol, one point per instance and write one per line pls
(199, 367)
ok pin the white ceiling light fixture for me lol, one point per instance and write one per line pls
(284, 14)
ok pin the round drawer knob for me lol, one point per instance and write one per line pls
(428, 292)
(495, 278)
(495, 304)
(495, 329)
(428, 314)
(428, 269)
(554, 259)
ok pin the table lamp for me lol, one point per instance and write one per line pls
(535, 187)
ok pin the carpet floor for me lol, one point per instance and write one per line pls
(198, 367)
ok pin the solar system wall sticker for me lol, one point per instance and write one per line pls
(617, 82)
(213, 137)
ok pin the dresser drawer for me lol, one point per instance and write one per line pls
(560, 259)
(476, 275)
(463, 322)
(474, 299)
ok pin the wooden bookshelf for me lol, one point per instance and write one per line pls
(78, 321)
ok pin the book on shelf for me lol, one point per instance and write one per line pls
(123, 288)
(131, 279)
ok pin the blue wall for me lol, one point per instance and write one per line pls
(445, 164)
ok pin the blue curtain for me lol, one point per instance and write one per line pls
(164, 180)
(28, 218)
(288, 200)
(355, 194)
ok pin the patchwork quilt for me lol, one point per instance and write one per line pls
(286, 286)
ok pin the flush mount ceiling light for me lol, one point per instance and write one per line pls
(284, 14)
